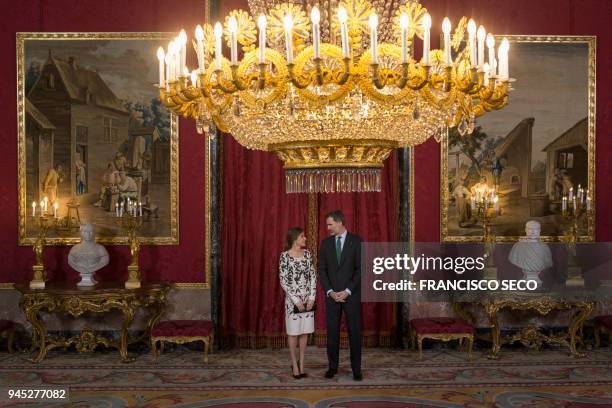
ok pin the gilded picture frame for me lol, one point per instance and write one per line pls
(87, 103)
(551, 114)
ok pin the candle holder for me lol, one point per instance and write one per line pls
(485, 205)
(579, 208)
(42, 222)
(573, 210)
(131, 221)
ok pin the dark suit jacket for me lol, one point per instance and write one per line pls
(347, 274)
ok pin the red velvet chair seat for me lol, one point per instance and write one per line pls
(183, 328)
(183, 331)
(440, 325)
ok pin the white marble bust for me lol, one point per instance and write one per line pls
(530, 254)
(87, 256)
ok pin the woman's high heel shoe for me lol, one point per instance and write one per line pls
(297, 377)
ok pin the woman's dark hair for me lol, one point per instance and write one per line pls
(292, 235)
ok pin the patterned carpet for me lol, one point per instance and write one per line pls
(261, 378)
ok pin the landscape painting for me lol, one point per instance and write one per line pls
(537, 152)
(94, 135)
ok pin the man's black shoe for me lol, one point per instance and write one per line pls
(357, 377)
(330, 373)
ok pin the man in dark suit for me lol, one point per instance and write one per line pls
(340, 274)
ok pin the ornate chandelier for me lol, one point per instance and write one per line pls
(333, 109)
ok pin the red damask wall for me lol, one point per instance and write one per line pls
(185, 263)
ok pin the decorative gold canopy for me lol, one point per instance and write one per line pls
(333, 109)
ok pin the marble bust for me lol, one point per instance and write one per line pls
(530, 254)
(87, 256)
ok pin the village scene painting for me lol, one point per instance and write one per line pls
(94, 135)
(534, 154)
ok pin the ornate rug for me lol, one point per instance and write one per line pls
(261, 378)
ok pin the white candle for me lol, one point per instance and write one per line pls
(177, 58)
(571, 193)
(55, 210)
(261, 23)
(574, 203)
(121, 209)
(446, 29)
(342, 16)
(315, 17)
(199, 33)
(404, 24)
(588, 203)
(471, 28)
(426, 27)
(33, 208)
(169, 60)
(183, 41)
(289, 38)
(374, 37)
(485, 69)
(161, 56)
(140, 208)
(503, 60)
(564, 204)
(218, 55)
(232, 26)
(194, 78)
(482, 33)
(491, 47)
(116, 209)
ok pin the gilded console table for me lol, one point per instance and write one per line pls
(102, 298)
(541, 303)
(530, 336)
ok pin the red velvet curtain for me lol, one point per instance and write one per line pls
(256, 215)
(374, 217)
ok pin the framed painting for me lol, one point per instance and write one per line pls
(536, 152)
(92, 134)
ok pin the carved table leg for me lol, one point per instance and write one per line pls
(128, 314)
(584, 311)
(491, 310)
(39, 335)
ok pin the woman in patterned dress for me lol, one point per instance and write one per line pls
(299, 281)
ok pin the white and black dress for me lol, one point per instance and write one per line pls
(299, 281)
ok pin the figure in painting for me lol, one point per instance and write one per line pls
(50, 184)
(81, 181)
(462, 200)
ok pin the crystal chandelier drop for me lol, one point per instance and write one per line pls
(328, 98)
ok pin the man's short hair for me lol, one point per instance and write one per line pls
(336, 215)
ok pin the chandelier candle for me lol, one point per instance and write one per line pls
(482, 33)
(343, 32)
(491, 47)
(331, 112)
(426, 28)
(446, 29)
(199, 33)
(404, 23)
(261, 23)
(288, 38)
